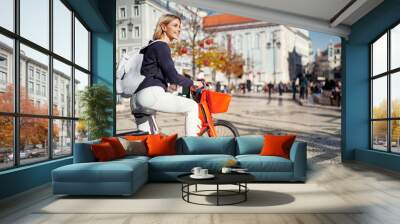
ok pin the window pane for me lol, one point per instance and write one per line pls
(33, 139)
(395, 47)
(395, 94)
(7, 14)
(81, 131)
(81, 45)
(379, 98)
(395, 136)
(62, 29)
(6, 142)
(379, 135)
(62, 89)
(62, 141)
(35, 21)
(6, 74)
(379, 55)
(35, 100)
(81, 81)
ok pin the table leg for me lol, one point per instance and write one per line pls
(196, 188)
(245, 193)
(217, 194)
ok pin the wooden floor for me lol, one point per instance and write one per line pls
(379, 190)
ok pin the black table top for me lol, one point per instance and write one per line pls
(220, 178)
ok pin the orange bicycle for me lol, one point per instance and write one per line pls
(210, 102)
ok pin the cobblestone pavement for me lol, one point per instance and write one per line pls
(254, 113)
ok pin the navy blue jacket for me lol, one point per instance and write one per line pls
(159, 69)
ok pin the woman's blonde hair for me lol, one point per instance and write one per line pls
(164, 20)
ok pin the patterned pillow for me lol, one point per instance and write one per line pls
(134, 147)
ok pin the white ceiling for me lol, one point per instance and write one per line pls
(315, 15)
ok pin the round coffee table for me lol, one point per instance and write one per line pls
(238, 179)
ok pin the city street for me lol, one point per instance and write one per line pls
(254, 113)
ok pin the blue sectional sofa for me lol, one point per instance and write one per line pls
(125, 176)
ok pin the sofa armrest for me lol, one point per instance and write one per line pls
(83, 152)
(298, 155)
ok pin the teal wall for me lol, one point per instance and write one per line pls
(99, 15)
(24, 178)
(355, 113)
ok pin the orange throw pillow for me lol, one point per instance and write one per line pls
(116, 145)
(159, 145)
(277, 145)
(136, 137)
(103, 152)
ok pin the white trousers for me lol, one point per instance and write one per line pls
(155, 98)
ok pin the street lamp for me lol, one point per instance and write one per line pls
(130, 26)
(275, 43)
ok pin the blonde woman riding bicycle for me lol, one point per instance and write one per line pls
(159, 70)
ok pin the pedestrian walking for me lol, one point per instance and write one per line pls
(270, 88)
(280, 88)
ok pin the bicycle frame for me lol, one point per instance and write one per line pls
(207, 121)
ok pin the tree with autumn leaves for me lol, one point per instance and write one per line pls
(204, 52)
(33, 130)
(380, 127)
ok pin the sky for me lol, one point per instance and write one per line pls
(321, 40)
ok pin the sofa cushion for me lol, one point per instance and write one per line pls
(277, 145)
(257, 163)
(185, 163)
(111, 171)
(204, 145)
(116, 145)
(159, 145)
(250, 144)
(103, 152)
(134, 147)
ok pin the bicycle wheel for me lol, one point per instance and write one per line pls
(225, 128)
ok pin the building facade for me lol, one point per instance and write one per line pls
(327, 63)
(272, 53)
(34, 81)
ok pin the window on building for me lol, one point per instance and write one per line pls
(385, 94)
(34, 55)
(43, 90)
(123, 33)
(136, 10)
(136, 31)
(37, 90)
(3, 78)
(43, 77)
(3, 60)
(30, 73)
(122, 12)
(30, 87)
(37, 75)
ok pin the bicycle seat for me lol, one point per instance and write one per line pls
(139, 111)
